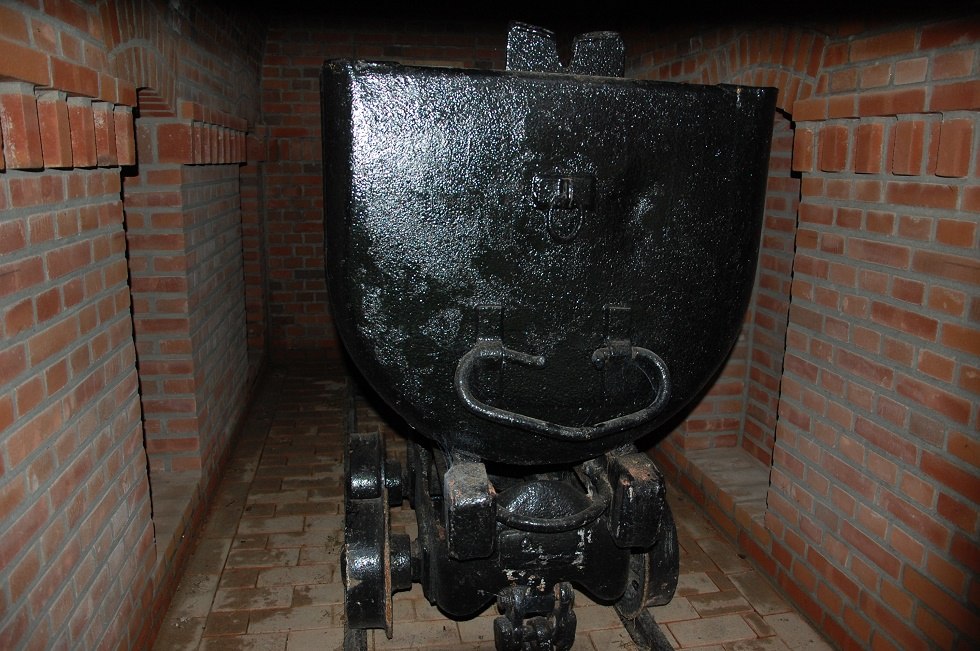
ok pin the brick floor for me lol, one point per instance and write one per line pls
(265, 573)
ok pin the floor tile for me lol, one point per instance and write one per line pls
(238, 578)
(270, 642)
(677, 610)
(796, 632)
(719, 603)
(693, 583)
(286, 523)
(193, 596)
(260, 598)
(764, 599)
(301, 539)
(328, 552)
(299, 575)
(309, 595)
(764, 644)
(419, 635)
(612, 638)
(261, 558)
(291, 619)
(478, 629)
(230, 623)
(723, 555)
(711, 630)
(596, 618)
(321, 639)
(180, 633)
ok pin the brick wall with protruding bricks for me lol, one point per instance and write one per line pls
(76, 539)
(872, 509)
(122, 305)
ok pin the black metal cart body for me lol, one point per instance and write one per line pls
(533, 268)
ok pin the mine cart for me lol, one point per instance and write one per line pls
(534, 268)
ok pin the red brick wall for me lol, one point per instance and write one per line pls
(872, 509)
(299, 321)
(200, 58)
(76, 540)
(83, 564)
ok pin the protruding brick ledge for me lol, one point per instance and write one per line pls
(958, 96)
(47, 129)
(189, 110)
(935, 144)
(41, 129)
(191, 142)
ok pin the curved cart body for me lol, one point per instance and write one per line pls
(552, 215)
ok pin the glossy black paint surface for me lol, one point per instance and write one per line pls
(436, 206)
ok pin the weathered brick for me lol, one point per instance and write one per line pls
(940, 601)
(960, 96)
(907, 148)
(105, 134)
(24, 63)
(947, 404)
(961, 31)
(950, 65)
(810, 109)
(82, 122)
(74, 78)
(872, 549)
(892, 102)
(833, 148)
(955, 146)
(175, 143)
(943, 265)
(868, 143)
(19, 126)
(961, 338)
(52, 111)
(956, 232)
(884, 45)
(13, 25)
(911, 71)
(926, 195)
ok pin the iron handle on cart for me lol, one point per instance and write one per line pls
(652, 366)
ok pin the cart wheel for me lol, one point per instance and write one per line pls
(652, 581)
(365, 557)
(652, 574)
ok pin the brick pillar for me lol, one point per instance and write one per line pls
(185, 251)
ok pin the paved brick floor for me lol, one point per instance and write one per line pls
(265, 574)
